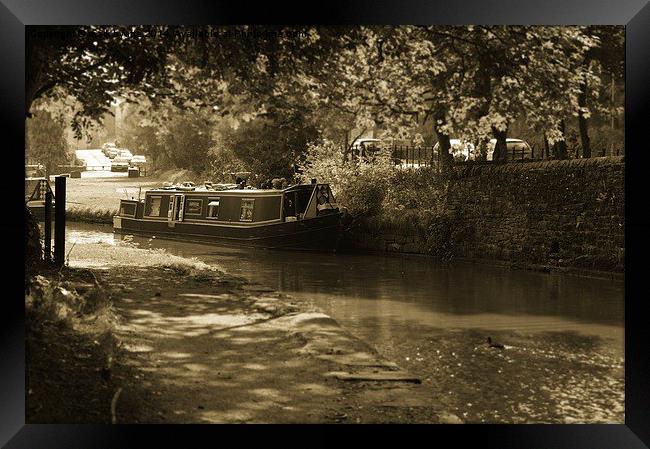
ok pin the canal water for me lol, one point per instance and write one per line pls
(563, 359)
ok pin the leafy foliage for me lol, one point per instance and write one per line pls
(269, 146)
(291, 85)
(45, 140)
(95, 65)
(186, 141)
(360, 186)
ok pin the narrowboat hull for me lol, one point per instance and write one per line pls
(320, 233)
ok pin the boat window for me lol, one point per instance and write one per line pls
(247, 205)
(194, 207)
(127, 209)
(213, 208)
(290, 204)
(153, 206)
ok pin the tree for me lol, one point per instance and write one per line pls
(377, 77)
(94, 65)
(140, 129)
(605, 56)
(515, 70)
(269, 146)
(186, 140)
(45, 141)
(469, 81)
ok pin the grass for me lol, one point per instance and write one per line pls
(91, 215)
(97, 199)
(125, 255)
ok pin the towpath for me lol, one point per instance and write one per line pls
(200, 346)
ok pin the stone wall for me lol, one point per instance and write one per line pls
(552, 213)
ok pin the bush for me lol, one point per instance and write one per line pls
(363, 198)
(359, 185)
(391, 200)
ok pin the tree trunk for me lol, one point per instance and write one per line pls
(582, 122)
(482, 149)
(500, 148)
(559, 147)
(445, 159)
(547, 150)
(444, 145)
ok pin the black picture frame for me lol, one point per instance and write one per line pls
(15, 15)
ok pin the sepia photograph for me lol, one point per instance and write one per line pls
(325, 224)
(365, 224)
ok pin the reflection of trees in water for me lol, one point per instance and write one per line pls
(461, 289)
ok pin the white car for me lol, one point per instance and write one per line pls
(125, 154)
(365, 147)
(120, 164)
(138, 160)
(461, 150)
(366, 143)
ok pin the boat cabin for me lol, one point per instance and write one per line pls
(234, 207)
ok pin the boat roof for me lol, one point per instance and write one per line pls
(242, 192)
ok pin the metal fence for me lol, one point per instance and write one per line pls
(415, 157)
(428, 156)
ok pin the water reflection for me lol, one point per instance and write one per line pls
(402, 291)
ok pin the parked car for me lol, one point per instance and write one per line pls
(365, 143)
(126, 154)
(465, 151)
(365, 147)
(517, 149)
(138, 160)
(461, 150)
(120, 163)
(110, 150)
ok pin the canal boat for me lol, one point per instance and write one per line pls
(299, 217)
(35, 190)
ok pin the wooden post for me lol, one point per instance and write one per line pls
(47, 238)
(59, 221)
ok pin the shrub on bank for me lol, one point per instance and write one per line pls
(388, 201)
(63, 296)
(359, 185)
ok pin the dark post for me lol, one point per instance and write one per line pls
(48, 226)
(59, 221)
